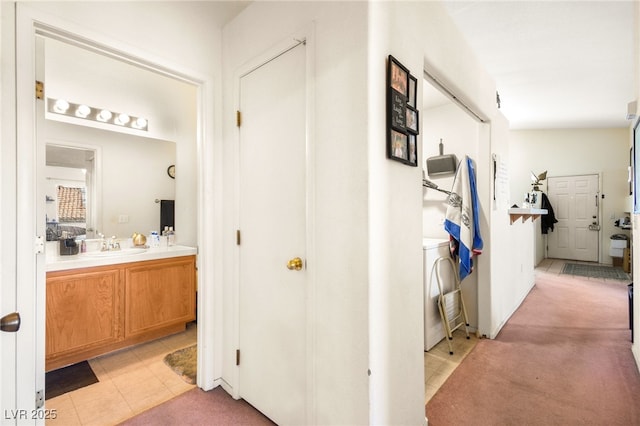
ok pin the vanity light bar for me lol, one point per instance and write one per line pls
(63, 107)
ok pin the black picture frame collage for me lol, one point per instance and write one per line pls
(402, 114)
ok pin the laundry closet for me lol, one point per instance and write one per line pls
(447, 130)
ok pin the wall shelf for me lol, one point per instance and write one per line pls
(525, 214)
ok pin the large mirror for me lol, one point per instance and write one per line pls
(127, 177)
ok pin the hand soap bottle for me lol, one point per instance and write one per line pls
(171, 237)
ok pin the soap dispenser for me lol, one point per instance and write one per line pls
(171, 237)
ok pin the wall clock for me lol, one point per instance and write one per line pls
(171, 171)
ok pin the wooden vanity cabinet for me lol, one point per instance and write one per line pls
(158, 294)
(84, 311)
(92, 311)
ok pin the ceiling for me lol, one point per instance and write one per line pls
(556, 64)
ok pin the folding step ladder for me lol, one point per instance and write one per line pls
(451, 304)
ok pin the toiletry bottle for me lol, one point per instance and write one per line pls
(171, 237)
(155, 239)
(83, 246)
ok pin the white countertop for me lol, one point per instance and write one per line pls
(87, 260)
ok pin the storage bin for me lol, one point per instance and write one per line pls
(616, 252)
(619, 244)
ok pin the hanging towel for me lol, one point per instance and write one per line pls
(462, 220)
(167, 213)
(548, 220)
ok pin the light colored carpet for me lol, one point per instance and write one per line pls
(198, 408)
(184, 363)
(564, 358)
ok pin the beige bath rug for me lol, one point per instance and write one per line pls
(184, 363)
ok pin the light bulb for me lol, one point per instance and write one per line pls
(105, 115)
(140, 123)
(122, 119)
(61, 106)
(83, 111)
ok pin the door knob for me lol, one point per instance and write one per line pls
(295, 264)
(10, 322)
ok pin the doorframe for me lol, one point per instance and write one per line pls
(31, 298)
(305, 35)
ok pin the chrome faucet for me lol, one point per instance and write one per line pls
(114, 244)
(103, 243)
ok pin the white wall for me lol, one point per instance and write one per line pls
(565, 152)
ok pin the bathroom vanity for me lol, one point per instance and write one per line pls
(100, 302)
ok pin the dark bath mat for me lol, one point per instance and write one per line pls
(68, 379)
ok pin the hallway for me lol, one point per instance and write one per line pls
(564, 357)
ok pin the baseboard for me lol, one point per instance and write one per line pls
(635, 350)
(494, 333)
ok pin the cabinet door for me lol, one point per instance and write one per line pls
(159, 294)
(82, 311)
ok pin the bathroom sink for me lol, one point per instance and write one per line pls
(122, 252)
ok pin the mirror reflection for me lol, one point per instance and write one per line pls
(70, 192)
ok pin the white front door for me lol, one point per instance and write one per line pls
(575, 203)
(273, 227)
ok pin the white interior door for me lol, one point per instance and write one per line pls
(272, 318)
(575, 203)
(7, 215)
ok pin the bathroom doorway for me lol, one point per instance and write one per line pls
(31, 158)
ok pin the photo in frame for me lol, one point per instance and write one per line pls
(413, 150)
(398, 77)
(399, 146)
(411, 95)
(411, 121)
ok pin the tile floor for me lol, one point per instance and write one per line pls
(439, 364)
(130, 381)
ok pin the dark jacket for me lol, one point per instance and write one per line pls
(548, 219)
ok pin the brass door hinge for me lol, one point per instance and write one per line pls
(39, 90)
(238, 118)
(237, 356)
(238, 237)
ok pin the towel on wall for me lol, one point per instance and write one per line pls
(167, 214)
(462, 220)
